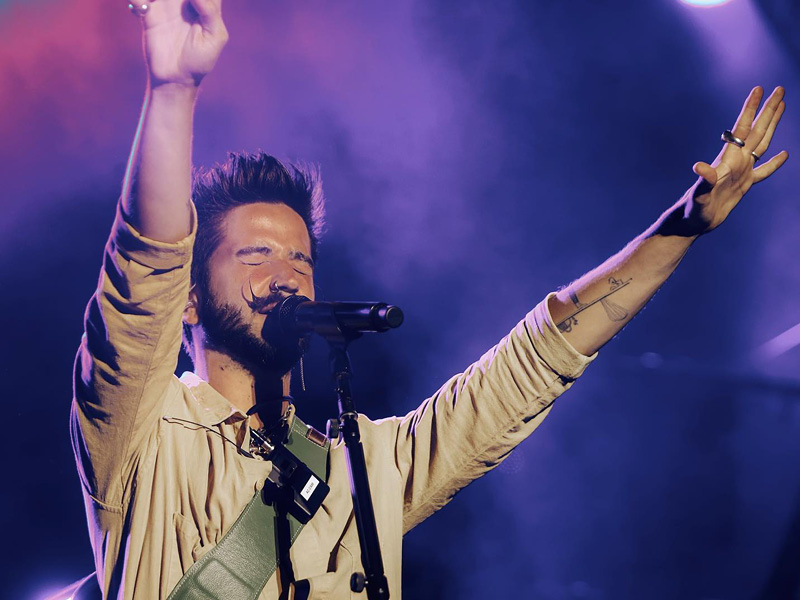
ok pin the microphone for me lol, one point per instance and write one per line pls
(297, 315)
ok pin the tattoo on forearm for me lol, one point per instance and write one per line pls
(574, 297)
(614, 311)
(566, 325)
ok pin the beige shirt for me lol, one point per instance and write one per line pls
(161, 490)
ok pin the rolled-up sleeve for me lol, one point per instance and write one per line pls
(127, 355)
(479, 416)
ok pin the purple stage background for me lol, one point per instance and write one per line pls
(476, 156)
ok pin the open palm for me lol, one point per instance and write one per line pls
(733, 172)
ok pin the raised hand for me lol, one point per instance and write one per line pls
(182, 40)
(733, 172)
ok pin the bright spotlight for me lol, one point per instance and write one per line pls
(705, 3)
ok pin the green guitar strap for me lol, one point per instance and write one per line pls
(239, 566)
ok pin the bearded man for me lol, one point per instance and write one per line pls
(166, 465)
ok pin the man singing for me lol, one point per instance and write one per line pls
(168, 465)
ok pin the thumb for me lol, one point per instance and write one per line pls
(209, 13)
(705, 171)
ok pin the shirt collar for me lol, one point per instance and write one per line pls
(213, 407)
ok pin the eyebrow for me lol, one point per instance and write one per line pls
(266, 251)
(248, 250)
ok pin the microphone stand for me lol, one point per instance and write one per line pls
(340, 323)
(373, 577)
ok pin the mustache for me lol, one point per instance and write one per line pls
(260, 303)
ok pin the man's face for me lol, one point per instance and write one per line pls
(264, 256)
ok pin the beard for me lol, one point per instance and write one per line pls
(226, 331)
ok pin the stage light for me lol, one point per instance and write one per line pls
(705, 3)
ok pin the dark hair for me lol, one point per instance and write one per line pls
(246, 178)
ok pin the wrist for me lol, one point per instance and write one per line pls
(173, 91)
(678, 222)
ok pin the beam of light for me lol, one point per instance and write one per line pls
(738, 40)
(780, 344)
(705, 3)
(60, 593)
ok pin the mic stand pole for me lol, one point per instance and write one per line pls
(376, 583)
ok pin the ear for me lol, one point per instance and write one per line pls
(190, 315)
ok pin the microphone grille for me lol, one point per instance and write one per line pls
(285, 311)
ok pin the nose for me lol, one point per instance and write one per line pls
(285, 281)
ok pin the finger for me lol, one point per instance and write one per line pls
(764, 118)
(748, 112)
(769, 167)
(152, 12)
(207, 8)
(706, 171)
(767, 138)
(209, 13)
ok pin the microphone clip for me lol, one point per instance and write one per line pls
(291, 485)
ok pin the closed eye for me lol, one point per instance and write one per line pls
(254, 255)
(258, 255)
(301, 256)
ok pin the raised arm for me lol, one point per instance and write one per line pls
(125, 364)
(182, 41)
(591, 310)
